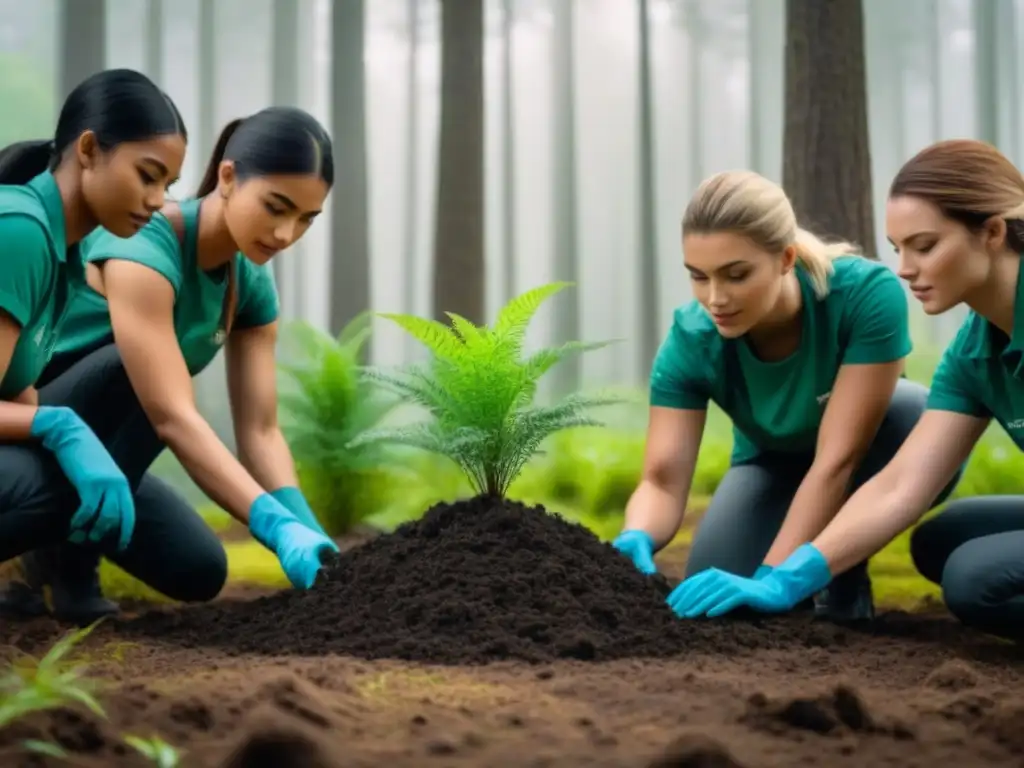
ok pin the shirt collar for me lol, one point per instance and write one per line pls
(45, 187)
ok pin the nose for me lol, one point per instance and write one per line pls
(906, 269)
(716, 297)
(284, 233)
(155, 200)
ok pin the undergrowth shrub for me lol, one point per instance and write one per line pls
(327, 402)
(479, 390)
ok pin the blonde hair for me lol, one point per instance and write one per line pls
(747, 204)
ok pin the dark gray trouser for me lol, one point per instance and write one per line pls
(751, 502)
(172, 550)
(974, 549)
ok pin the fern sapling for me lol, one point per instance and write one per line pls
(479, 389)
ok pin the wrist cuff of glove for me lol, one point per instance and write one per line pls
(49, 422)
(805, 571)
(292, 498)
(762, 571)
(266, 515)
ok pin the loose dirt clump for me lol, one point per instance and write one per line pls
(471, 582)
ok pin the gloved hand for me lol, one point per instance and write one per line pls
(296, 503)
(638, 546)
(714, 592)
(762, 571)
(300, 550)
(107, 506)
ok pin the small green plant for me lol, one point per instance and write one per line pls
(479, 390)
(328, 401)
(162, 754)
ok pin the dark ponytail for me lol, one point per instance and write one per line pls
(117, 105)
(23, 161)
(210, 177)
(273, 141)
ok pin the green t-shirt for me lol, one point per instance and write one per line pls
(38, 276)
(981, 373)
(199, 296)
(778, 406)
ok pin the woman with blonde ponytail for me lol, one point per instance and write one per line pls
(955, 216)
(801, 342)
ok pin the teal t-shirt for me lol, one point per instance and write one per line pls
(39, 275)
(777, 406)
(981, 372)
(199, 296)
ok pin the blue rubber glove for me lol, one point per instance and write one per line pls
(296, 503)
(106, 503)
(715, 593)
(638, 546)
(299, 550)
(762, 571)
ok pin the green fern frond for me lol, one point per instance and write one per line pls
(356, 332)
(479, 392)
(436, 337)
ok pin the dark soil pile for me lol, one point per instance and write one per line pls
(470, 582)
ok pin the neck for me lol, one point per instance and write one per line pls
(215, 246)
(995, 298)
(78, 220)
(784, 317)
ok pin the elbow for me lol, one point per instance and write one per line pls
(173, 425)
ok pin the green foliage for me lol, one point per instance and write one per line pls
(329, 402)
(158, 751)
(995, 467)
(479, 390)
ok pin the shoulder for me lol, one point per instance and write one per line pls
(692, 335)
(22, 232)
(155, 246)
(970, 338)
(860, 284)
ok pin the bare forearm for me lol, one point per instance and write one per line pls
(267, 457)
(211, 465)
(876, 514)
(817, 500)
(16, 421)
(656, 510)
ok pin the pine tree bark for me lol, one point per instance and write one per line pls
(459, 234)
(826, 151)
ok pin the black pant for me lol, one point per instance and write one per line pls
(172, 549)
(752, 500)
(974, 549)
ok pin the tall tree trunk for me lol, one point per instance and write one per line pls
(508, 148)
(350, 235)
(83, 42)
(410, 232)
(285, 90)
(648, 294)
(459, 234)
(155, 41)
(565, 377)
(827, 160)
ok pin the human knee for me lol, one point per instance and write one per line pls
(965, 579)
(201, 576)
(927, 550)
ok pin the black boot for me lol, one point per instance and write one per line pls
(76, 593)
(22, 594)
(848, 598)
(63, 581)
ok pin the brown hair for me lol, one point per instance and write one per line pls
(747, 204)
(969, 182)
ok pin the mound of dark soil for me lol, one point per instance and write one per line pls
(470, 582)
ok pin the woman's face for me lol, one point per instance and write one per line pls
(125, 186)
(734, 280)
(267, 214)
(941, 259)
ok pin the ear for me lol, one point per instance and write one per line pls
(87, 150)
(788, 259)
(994, 233)
(226, 177)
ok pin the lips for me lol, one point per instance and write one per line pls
(267, 250)
(140, 220)
(920, 290)
(723, 318)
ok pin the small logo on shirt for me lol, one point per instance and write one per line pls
(219, 337)
(822, 399)
(1015, 424)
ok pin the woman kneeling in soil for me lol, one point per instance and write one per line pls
(956, 217)
(802, 344)
(119, 141)
(164, 303)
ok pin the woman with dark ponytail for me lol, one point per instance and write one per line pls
(195, 279)
(119, 143)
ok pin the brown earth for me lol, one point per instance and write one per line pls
(908, 691)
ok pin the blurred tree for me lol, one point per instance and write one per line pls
(650, 333)
(459, 234)
(350, 234)
(826, 155)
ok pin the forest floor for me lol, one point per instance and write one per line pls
(236, 683)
